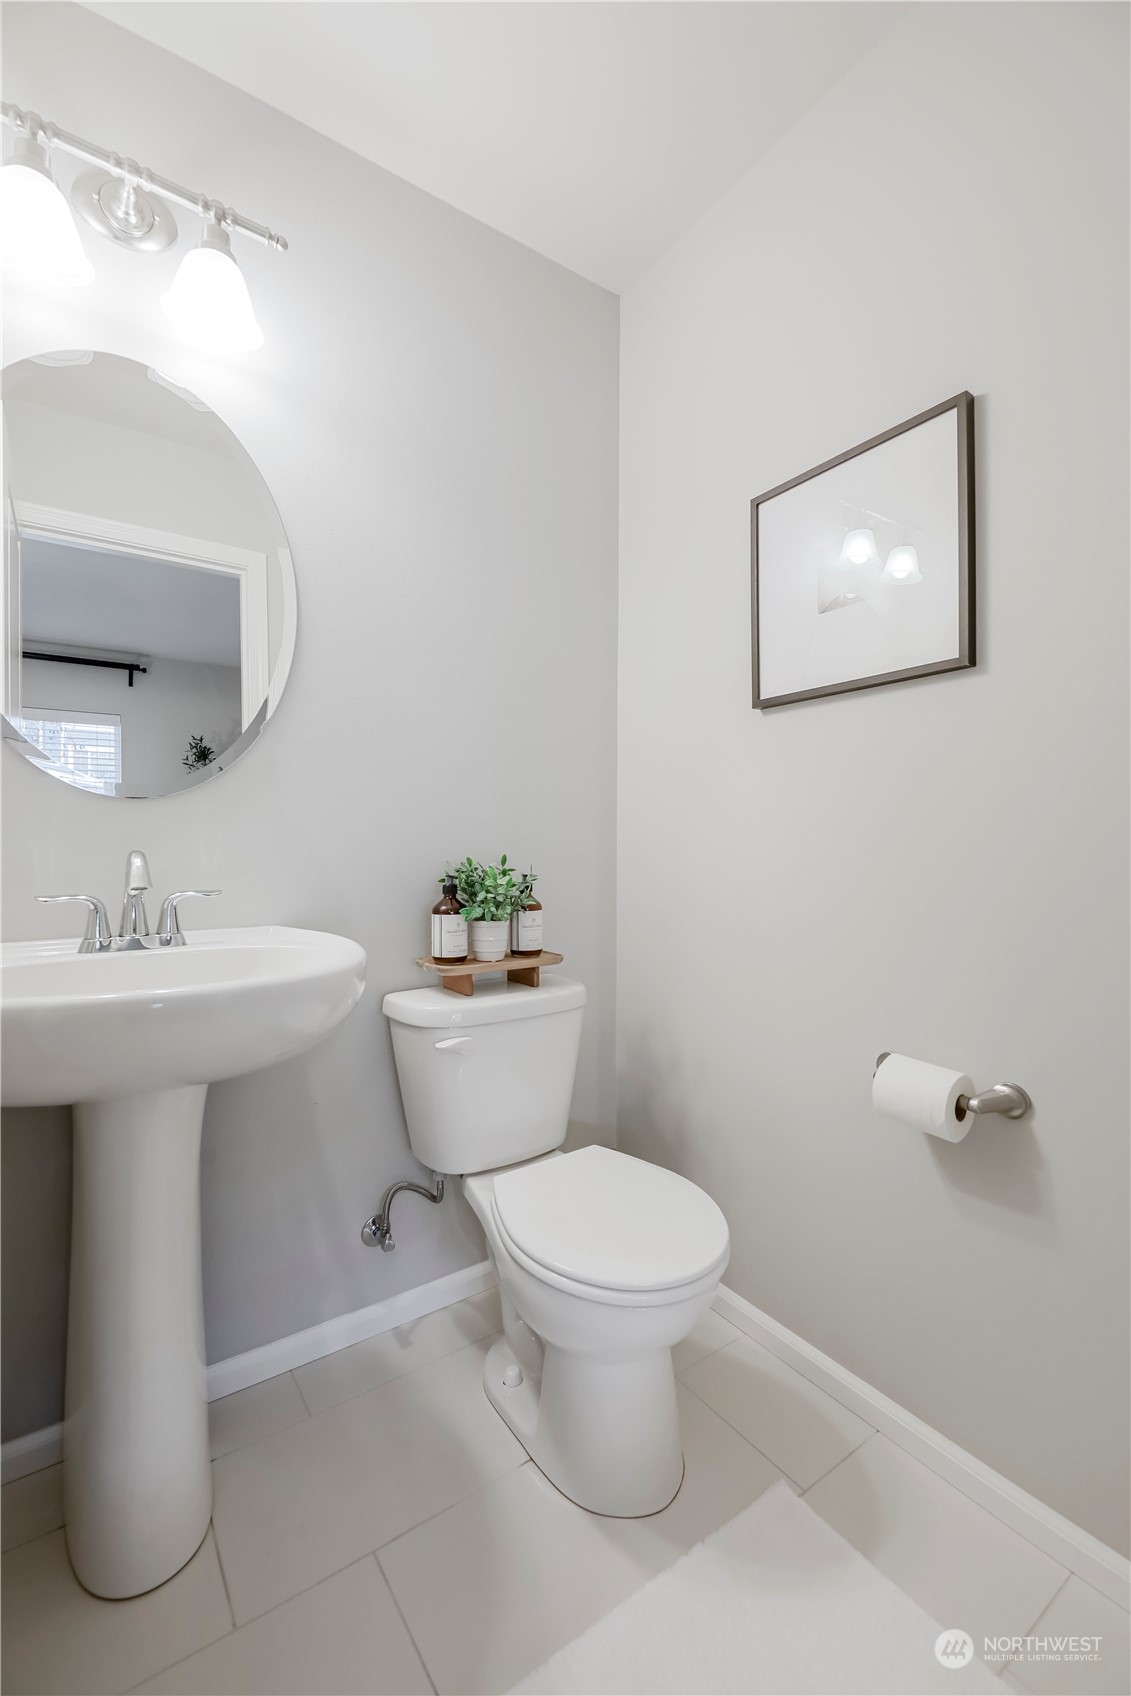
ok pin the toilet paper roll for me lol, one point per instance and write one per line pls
(921, 1095)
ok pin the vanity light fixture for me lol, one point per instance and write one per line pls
(37, 232)
(126, 203)
(902, 566)
(859, 548)
(209, 301)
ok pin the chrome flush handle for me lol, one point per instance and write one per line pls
(169, 932)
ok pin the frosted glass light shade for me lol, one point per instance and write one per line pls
(902, 566)
(37, 232)
(859, 548)
(209, 302)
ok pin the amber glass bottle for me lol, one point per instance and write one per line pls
(449, 929)
(526, 927)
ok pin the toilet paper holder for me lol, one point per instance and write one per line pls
(1009, 1099)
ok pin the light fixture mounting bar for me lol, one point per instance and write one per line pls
(129, 171)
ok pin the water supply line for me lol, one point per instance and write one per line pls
(378, 1231)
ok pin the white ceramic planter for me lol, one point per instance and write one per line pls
(489, 938)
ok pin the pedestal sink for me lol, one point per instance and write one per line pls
(133, 1040)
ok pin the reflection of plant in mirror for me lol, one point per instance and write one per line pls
(199, 754)
(489, 892)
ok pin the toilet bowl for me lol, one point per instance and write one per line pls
(604, 1261)
(583, 1372)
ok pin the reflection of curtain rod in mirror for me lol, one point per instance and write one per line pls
(78, 659)
(126, 203)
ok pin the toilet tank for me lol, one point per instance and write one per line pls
(486, 1079)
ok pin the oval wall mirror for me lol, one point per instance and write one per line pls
(148, 594)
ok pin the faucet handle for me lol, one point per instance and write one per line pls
(96, 937)
(169, 932)
(137, 872)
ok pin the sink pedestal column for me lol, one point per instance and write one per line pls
(137, 1478)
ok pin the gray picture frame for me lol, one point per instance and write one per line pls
(963, 405)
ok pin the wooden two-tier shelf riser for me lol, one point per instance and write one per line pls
(520, 968)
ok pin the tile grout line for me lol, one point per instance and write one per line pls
(830, 1470)
(238, 1448)
(478, 1491)
(400, 1611)
(1006, 1665)
(157, 1672)
(1067, 1571)
(366, 1553)
(468, 1342)
(35, 1537)
(223, 1574)
(332, 1407)
(266, 1614)
(768, 1458)
(298, 1386)
(1040, 1616)
(700, 1358)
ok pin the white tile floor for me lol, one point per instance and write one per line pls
(378, 1529)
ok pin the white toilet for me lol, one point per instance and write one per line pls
(604, 1262)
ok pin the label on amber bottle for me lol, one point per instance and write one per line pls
(449, 936)
(526, 931)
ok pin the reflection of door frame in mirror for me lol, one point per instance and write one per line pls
(85, 530)
(11, 652)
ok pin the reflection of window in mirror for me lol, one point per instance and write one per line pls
(148, 579)
(86, 746)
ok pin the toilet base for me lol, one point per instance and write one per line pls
(605, 1431)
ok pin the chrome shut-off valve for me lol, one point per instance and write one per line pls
(378, 1231)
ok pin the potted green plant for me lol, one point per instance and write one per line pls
(489, 895)
(199, 753)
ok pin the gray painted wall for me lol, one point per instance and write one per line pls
(937, 867)
(435, 412)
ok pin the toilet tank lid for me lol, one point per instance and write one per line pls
(492, 1004)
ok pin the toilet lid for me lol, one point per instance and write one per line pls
(603, 1218)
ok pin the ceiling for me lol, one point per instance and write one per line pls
(126, 604)
(594, 131)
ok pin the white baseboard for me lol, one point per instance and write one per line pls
(31, 1453)
(43, 1448)
(240, 1370)
(1073, 1547)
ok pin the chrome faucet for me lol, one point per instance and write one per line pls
(133, 933)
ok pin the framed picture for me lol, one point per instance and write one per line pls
(863, 568)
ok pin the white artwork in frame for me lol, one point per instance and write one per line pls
(863, 568)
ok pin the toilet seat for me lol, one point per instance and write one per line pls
(609, 1227)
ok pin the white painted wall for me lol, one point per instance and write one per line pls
(937, 867)
(435, 412)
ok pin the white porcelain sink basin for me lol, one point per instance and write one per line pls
(91, 1027)
(132, 1040)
